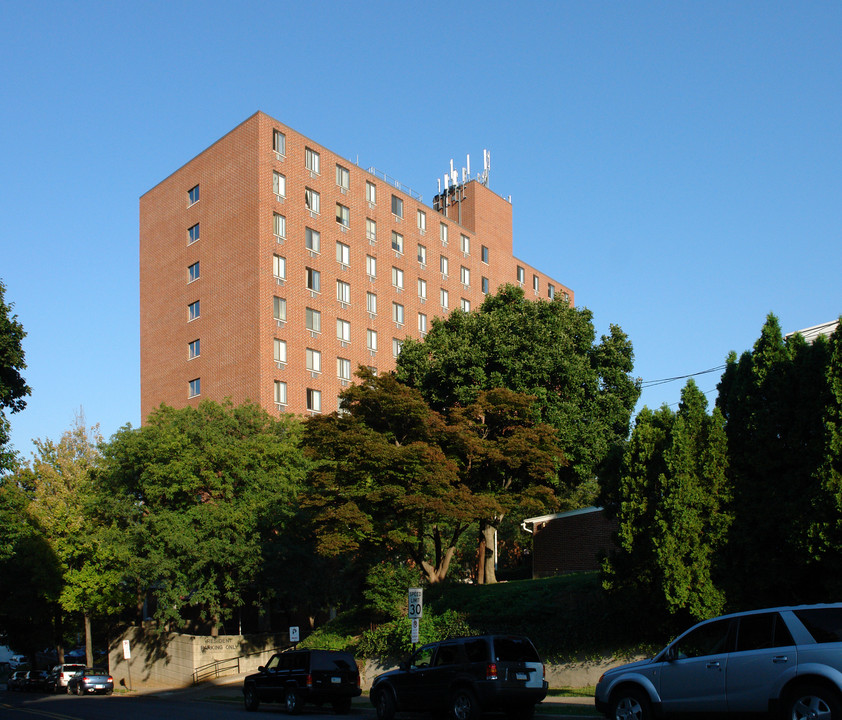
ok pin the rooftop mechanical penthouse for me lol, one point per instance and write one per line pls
(271, 268)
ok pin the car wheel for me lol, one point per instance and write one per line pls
(342, 707)
(630, 704)
(464, 705)
(250, 698)
(292, 701)
(384, 704)
(814, 702)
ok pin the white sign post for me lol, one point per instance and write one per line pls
(127, 655)
(415, 609)
(293, 633)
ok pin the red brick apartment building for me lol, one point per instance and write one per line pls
(271, 268)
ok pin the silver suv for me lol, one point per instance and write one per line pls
(785, 661)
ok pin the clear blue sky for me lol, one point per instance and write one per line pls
(678, 164)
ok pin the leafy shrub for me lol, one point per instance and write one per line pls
(385, 589)
(393, 639)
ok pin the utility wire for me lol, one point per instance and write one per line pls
(653, 383)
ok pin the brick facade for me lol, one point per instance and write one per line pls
(235, 283)
(571, 542)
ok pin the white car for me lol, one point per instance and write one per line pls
(785, 661)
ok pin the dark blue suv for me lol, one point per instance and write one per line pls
(464, 677)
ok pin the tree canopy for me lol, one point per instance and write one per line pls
(781, 405)
(13, 387)
(671, 503)
(392, 473)
(197, 493)
(546, 350)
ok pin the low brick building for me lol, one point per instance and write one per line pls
(573, 541)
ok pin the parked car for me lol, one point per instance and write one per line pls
(465, 677)
(16, 661)
(16, 680)
(35, 680)
(785, 661)
(91, 680)
(296, 677)
(60, 675)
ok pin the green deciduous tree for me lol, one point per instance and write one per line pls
(543, 349)
(13, 388)
(395, 476)
(671, 503)
(199, 493)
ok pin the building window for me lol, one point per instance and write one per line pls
(343, 368)
(311, 160)
(535, 283)
(465, 305)
(193, 311)
(443, 265)
(343, 291)
(371, 340)
(312, 240)
(484, 254)
(279, 267)
(371, 192)
(371, 303)
(521, 275)
(279, 184)
(397, 313)
(313, 320)
(397, 206)
(371, 266)
(279, 142)
(422, 221)
(280, 351)
(193, 195)
(422, 323)
(194, 388)
(312, 200)
(343, 215)
(343, 253)
(280, 392)
(343, 178)
(371, 230)
(422, 288)
(397, 278)
(314, 360)
(279, 309)
(193, 272)
(444, 297)
(551, 291)
(443, 234)
(465, 244)
(192, 234)
(396, 346)
(314, 400)
(422, 254)
(465, 275)
(397, 242)
(193, 349)
(280, 226)
(314, 280)
(343, 330)
(485, 286)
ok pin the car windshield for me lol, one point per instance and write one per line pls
(95, 671)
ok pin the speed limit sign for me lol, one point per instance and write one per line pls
(416, 603)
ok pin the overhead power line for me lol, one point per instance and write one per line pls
(653, 383)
